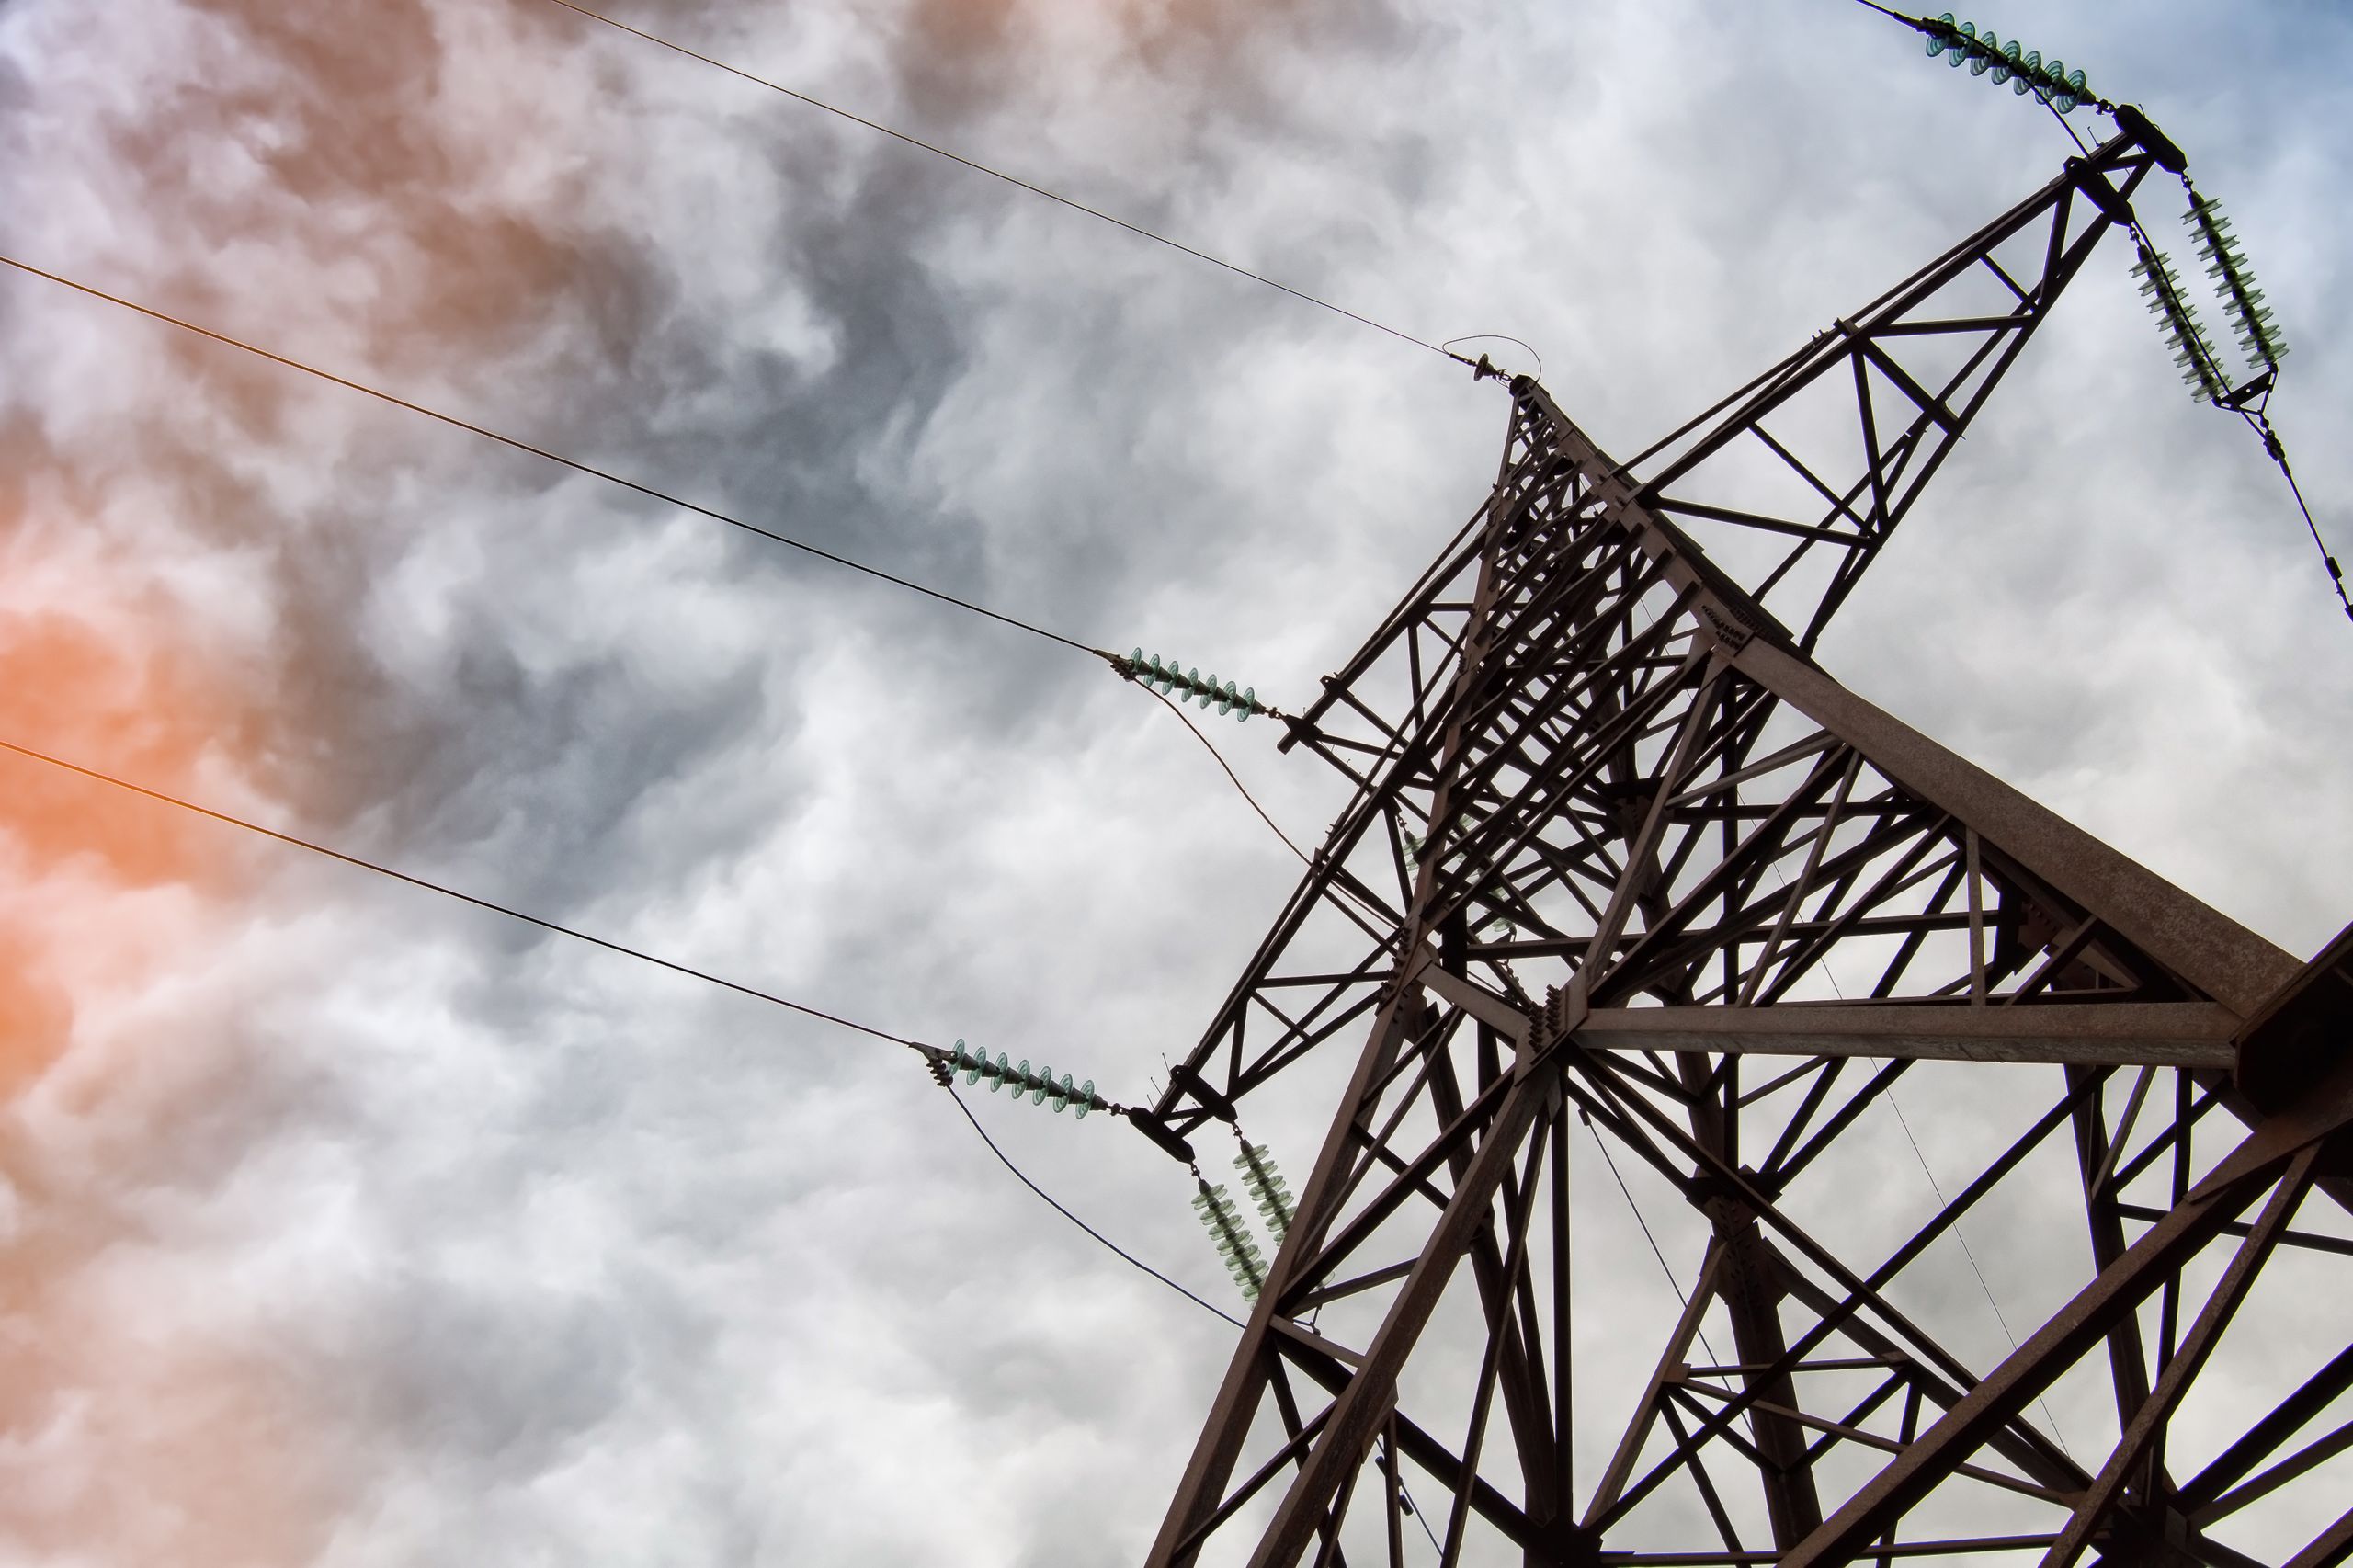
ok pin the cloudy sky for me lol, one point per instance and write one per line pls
(339, 1222)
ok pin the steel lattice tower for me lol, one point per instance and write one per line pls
(1622, 857)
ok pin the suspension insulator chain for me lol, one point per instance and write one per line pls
(2226, 265)
(1039, 1085)
(1188, 684)
(1223, 1219)
(1266, 1186)
(2179, 320)
(1963, 44)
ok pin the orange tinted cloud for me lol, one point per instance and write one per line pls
(129, 695)
(148, 1442)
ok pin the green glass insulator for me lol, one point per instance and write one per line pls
(1085, 1098)
(1936, 46)
(2006, 62)
(1061, 1096)
(1045, 1085)
(1958, 58)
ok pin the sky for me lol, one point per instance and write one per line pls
(339, 1222)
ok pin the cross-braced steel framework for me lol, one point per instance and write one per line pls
(1622, 862)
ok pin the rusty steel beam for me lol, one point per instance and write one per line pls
(2144, 1034)
(1617, 844)
(2295, 1138)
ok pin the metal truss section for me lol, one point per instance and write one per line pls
(1625, 872)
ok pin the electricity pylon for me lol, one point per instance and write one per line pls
(1622, 857)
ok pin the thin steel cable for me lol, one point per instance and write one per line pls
(1673, 1284)
(2261, 424)
(1397, 1468)
(448, 891)
(2080, 145)
(1210, 747)
(1499, 337)
(1936, 1187)
(537, 451)
(1333, 887)
(626, 950)
(1967, 1251)
(1014, 180)
(1021, 1176)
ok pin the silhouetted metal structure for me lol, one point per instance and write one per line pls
(1620, 855)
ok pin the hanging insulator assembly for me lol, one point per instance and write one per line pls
(1963, 44)
(1231, 1237)
(1040, 1085)
(2179, 320)
(2226, 265)
(1266, 1186)
(1188, 684)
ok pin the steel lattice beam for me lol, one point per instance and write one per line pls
(1614, 839)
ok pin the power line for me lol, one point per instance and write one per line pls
(611, 946)
(1052, 1202)
(520, 445)
(1014, 180)
(1212, 746)
(492, 904)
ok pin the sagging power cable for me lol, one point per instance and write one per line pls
(446, 890)
(1224, 697)
(519, 444)
(1052, 1202)
(934, 1056)
(1014, 180)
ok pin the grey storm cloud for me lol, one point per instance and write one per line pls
(371, 1229)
